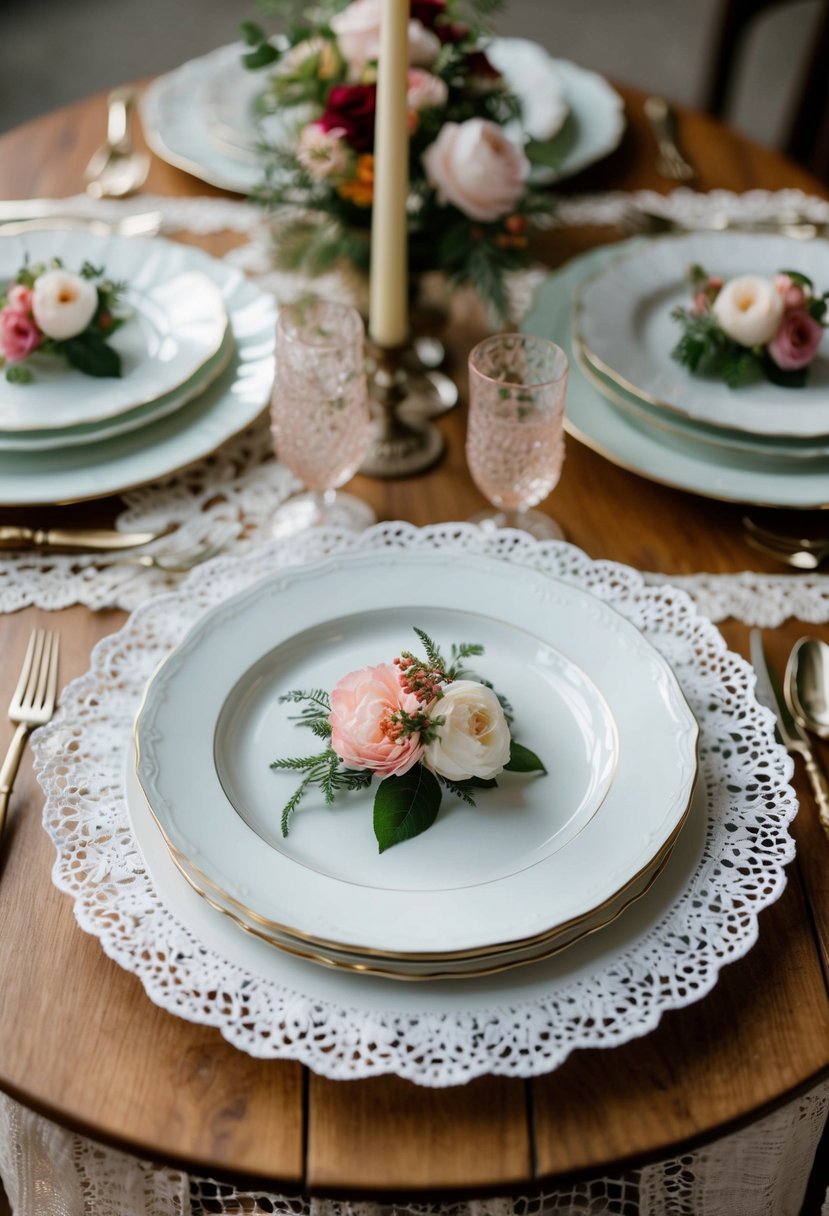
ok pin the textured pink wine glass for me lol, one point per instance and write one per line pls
(515, 434)
(320, 413)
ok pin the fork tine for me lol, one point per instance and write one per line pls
(37, 659)
(43, 677)
(779, 538)
(26, 669)
(52, 686)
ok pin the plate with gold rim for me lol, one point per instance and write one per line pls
(591, 695)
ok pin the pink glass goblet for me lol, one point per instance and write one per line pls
(320, 413)
(515, 433)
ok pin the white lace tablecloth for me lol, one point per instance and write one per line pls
(236, 491)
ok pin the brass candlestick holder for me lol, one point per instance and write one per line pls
(404, 399)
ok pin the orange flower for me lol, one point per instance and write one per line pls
(360, 190)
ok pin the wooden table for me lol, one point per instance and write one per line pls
(80, 1041)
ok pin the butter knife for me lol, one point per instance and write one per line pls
(794, 739)
(93, 540)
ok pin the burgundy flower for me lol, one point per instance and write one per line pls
(350, 108)
(478, 65)
(430, 13)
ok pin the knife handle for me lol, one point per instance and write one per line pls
(820, 789)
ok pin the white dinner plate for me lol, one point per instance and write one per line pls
(655, 453)
(201, 117)
(625, 327)
(233, 400)
(176, 324)
(592, 697)
(131, 420)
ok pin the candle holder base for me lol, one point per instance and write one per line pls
(403, 440)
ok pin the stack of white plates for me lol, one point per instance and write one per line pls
(630, 400)
(540, 862)
(197, 366)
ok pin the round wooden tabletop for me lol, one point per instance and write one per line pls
(81, 1042)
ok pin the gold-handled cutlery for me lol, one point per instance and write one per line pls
(116, 169)
(806, 685)
(792, 736)
(637, 220)
(799, 552)
(33, 703)
(173, 563)
(671, 163)
(82, 540)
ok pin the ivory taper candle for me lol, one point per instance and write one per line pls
(389, 297)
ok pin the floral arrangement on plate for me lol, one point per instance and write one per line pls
(48, 310)
(752, 323)
(469, 202)
(417, 724)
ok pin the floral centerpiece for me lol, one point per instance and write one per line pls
(49, 310)
(417, 724)
(469, 203)
(773, 326)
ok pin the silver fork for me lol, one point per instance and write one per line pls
(799, 552)
(172, 563)
(671, 163)
(32, 704)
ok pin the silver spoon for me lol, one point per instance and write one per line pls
(116, 170)
(807, 685)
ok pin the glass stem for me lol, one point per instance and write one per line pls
(324, 500)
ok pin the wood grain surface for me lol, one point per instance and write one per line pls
(79, 1039)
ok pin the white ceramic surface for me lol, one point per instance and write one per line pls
(176, 325)
(201, 118)
(195, 430)
(536, 853)
(661, 456)
(131, 420)
(625, 325)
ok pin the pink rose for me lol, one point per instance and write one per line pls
(476, 168)
(20, 298)
(322, 153)
(19, 335)
(793, 295)
(363, 733)
(796, 342)
(426, 91)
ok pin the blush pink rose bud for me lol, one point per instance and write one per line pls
(362, 733)
(20, 298)
(792, 295)
(357, 30)
(796, 342)
(476, 168)
(19, 335)
(425, 90)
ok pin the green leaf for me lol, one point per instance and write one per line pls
(16, 373)
(786, 379)
(405, 806)
(522, 760)
(433, 655)
(252, 33)
(261, 57)
(543, 152)
(90, 354)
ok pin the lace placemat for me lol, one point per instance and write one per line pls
(235, 492)
(521, 1024)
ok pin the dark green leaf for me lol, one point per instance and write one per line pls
(252, 33)
(522, 760)
(16, 373)
(405, 806)
(261, 57)
(90, 354)
(787, 379)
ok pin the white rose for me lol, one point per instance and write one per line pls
(474, 166)
(474, 739)
(357, 30)
(749, 310)
(63, 304)
(322, 153)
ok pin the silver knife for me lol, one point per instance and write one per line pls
(793, 737)
(92, 540)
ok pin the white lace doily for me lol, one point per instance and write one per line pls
(347, 1026)
(238, 489)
